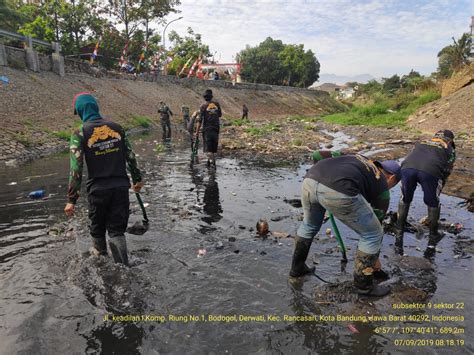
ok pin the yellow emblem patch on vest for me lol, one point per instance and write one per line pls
(212, 107)
(369, 165)
(102, 133)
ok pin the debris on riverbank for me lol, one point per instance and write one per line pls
(291, 141)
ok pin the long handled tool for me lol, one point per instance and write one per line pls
(194, 149)
(338, 237)
(139, 228)
(142, 207)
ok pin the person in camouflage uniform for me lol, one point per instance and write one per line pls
(165, 114)
(107, 151)
(185, 112)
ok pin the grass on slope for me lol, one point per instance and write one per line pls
(382, 113)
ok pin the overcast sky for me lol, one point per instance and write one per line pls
(349, 37)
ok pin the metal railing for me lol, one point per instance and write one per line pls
(30, 40)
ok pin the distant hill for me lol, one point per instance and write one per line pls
(341, 79)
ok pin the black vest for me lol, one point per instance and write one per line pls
(210, 113)
(104, 149)
(431, 156)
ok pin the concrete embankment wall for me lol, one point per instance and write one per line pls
(34, 105)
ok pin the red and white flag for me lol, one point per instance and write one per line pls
(194, 66)
(124, 54)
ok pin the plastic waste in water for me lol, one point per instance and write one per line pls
(36, 194)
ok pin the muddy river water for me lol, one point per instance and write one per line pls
(200, 280)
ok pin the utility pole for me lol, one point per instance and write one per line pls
(164, 31)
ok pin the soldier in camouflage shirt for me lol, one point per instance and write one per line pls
(108, 153)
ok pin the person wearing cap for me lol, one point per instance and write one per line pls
(429, 164)
(209, 117)
(104, 146)
(165, 114)
(186, 117)
(245, 112)
(355, 190)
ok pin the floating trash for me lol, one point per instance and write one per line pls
(352, 328)
(201, 252)
(12, 183)
(36, 194)
(262, 227)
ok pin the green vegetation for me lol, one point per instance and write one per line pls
(159, 148)
(78, 23)
(143, 121)
(297, 141)
(454, 56)
(66, 135)
(239, 122)
(382, 112)
(24, 138)
(260, 131)
(254, 131)
(299, 118)
(273, 62)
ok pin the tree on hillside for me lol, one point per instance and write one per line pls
(38, 23)
(311, 69)
(451, 58)
(151, 10)
(186, 48)
(79, 17)
(9, 16)
(291, 61)
(262, 64)
(276, 63)
(133, 13)
(412, 80)
(392, 84)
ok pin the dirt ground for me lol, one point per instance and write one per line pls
(283, 127)
(293, 141)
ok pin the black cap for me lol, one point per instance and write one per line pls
(207, 94)
(392, 167)
(445, 134)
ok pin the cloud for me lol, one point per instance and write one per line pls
(348, 37)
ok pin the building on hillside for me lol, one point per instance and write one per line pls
(328, 87)
(346, 93)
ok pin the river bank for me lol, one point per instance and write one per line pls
(202, 258)
(292, 139)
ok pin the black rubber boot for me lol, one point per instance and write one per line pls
(118, 247)
(434, 236)
(364, 276)
(403, 209)
(298, 266)
(99, 246)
